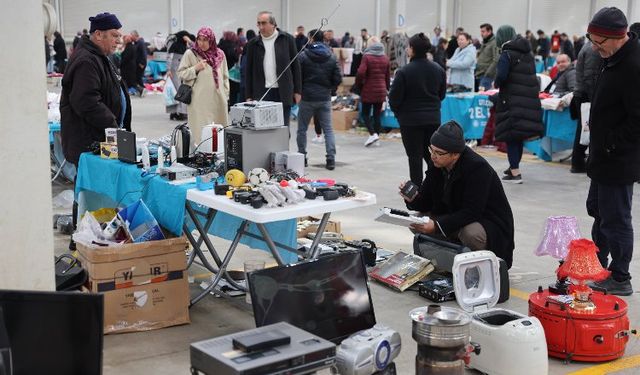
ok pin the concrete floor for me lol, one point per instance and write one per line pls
(548, 189)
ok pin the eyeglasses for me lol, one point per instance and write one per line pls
(437, 153)
(599, 44)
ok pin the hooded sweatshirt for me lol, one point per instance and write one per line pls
(376, 49)
(320, 73)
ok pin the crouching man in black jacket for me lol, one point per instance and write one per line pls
(463, 197)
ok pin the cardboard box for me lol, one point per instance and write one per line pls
(145, 285)
(332, 226)
(344, 120)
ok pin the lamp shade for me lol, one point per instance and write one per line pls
(582, 263)
(557, 233)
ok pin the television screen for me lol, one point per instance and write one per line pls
(328, 297)
(52, 332)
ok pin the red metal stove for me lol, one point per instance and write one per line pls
(593, 332)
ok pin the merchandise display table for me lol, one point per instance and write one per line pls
(259, 218)
(108, 182)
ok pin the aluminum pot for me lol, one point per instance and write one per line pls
(442, 334)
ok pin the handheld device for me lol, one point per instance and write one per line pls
(410, 190)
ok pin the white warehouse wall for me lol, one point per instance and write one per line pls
(150, 16)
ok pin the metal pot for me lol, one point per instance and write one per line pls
(442, 334)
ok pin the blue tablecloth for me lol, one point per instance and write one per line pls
(124, 184)
(559, 132)
(472, 112)
(469, 110)
(156, 69)
(54, 126)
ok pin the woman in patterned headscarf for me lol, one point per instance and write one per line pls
(204, 68)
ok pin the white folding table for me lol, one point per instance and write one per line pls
(259, 217)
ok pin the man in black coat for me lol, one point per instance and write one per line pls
(463, 197)
(60, 48)
(128, 63)
(93, 95)
(614, 157)
(266, 57)
(141, 59)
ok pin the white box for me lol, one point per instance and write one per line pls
(290, 160)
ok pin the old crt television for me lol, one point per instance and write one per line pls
(328, 297)
(53, 333)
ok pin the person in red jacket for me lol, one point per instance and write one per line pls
(374, 79)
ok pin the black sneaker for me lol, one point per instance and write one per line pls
(331, 164)
(512, 179)
(507, 172)
(578, 170)
(306, 162)
(612, 286)
(72, 245)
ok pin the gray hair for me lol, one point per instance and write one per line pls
(135, 33)
(272, 19)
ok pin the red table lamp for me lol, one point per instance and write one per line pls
(582, 265)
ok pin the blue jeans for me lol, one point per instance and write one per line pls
(612, 231)
(321, 113)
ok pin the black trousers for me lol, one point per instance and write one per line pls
(140, 74)
(372, 120)
(416, 139)
(579, 151)
(612, 230)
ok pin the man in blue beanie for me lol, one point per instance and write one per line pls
(94, 97)
(463, 197)
(614, 149)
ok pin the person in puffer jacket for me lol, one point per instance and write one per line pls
(518, 109)
(320, 75)
(374, 78)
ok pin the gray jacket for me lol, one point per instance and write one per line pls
(587, 70)
(566, 83)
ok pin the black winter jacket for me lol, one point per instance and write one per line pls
(61, 49)
(90, 100)
(320, 73)
(614, 149)
(587, 69)
(288, 84)
(474, 193)
(416, 93)
(518, 109)
(128, 65)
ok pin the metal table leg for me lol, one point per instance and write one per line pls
(203, 234)
(272, 246)
(210, 215)
(223, 266)
(314, 251)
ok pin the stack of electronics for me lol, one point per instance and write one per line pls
(333, 305)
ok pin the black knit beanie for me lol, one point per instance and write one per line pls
(609, 22)
(449, 137)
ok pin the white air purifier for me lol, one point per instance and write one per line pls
(510, 343)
